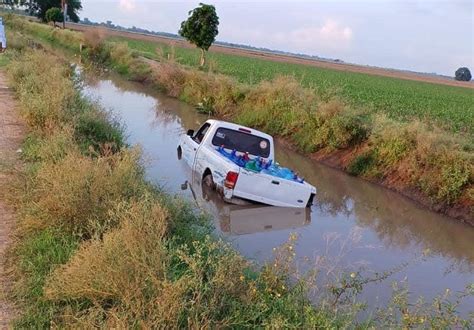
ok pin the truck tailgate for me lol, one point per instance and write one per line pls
(272, 190)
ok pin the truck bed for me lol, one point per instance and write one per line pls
(267, 189)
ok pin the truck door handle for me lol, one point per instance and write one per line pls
(275, 182)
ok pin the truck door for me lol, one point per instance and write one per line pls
(191, 145)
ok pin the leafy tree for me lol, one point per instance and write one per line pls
(40, 7)
(54, 15)
(462, 74)
(200, 28)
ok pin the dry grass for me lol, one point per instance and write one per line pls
(221, 94)
(95, 38)
(77, 192)
(128, 271)
(42, 88)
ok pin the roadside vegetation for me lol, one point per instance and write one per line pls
(98, 246)
(408, 153)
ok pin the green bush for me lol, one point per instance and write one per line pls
(361, 164)
(94, 132)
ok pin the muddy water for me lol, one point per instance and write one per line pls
(354, 224)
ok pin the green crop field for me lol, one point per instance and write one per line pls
(448, 106)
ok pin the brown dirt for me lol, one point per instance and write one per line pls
(286, 59)
(11, 135)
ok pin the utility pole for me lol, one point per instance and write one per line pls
(64, 8)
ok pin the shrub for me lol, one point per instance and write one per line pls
(120, 57)
(76, 193)
(50, 148)
(463, 74)
(96, 47)
(42, 107)
(95, 133)
(279, 107)
(139, 71)
(443, 174)
(54, 15)
(389, 144)
(361, 164)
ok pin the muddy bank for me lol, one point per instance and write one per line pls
(463, 211)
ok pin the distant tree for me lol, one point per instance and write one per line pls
(200, 28)
(54, 15)
(462, 74)
(40, 7)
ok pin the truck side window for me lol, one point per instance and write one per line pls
(199, 136)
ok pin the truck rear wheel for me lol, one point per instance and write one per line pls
(208, 181)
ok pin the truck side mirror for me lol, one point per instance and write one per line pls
(190, 132)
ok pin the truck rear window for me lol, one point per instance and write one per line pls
(241, 142)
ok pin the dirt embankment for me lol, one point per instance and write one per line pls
(286, 59)
(463, 211)
(11, 135)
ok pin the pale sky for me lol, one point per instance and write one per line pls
(419, 35)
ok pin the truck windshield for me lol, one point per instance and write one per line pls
(242, 142)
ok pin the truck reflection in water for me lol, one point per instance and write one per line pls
(244, 219)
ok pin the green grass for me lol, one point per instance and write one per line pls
(39, 253)
(3, 60)
(447, 106)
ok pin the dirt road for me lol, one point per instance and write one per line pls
(11, 134)
(286, 59)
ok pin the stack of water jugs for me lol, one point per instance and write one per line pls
(259, 165)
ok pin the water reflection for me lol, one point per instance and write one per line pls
(243, 219)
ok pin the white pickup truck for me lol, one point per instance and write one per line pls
(239, 162)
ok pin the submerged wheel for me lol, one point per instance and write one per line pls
(208, 181)
(208, 186)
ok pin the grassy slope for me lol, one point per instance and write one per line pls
(450, 107)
